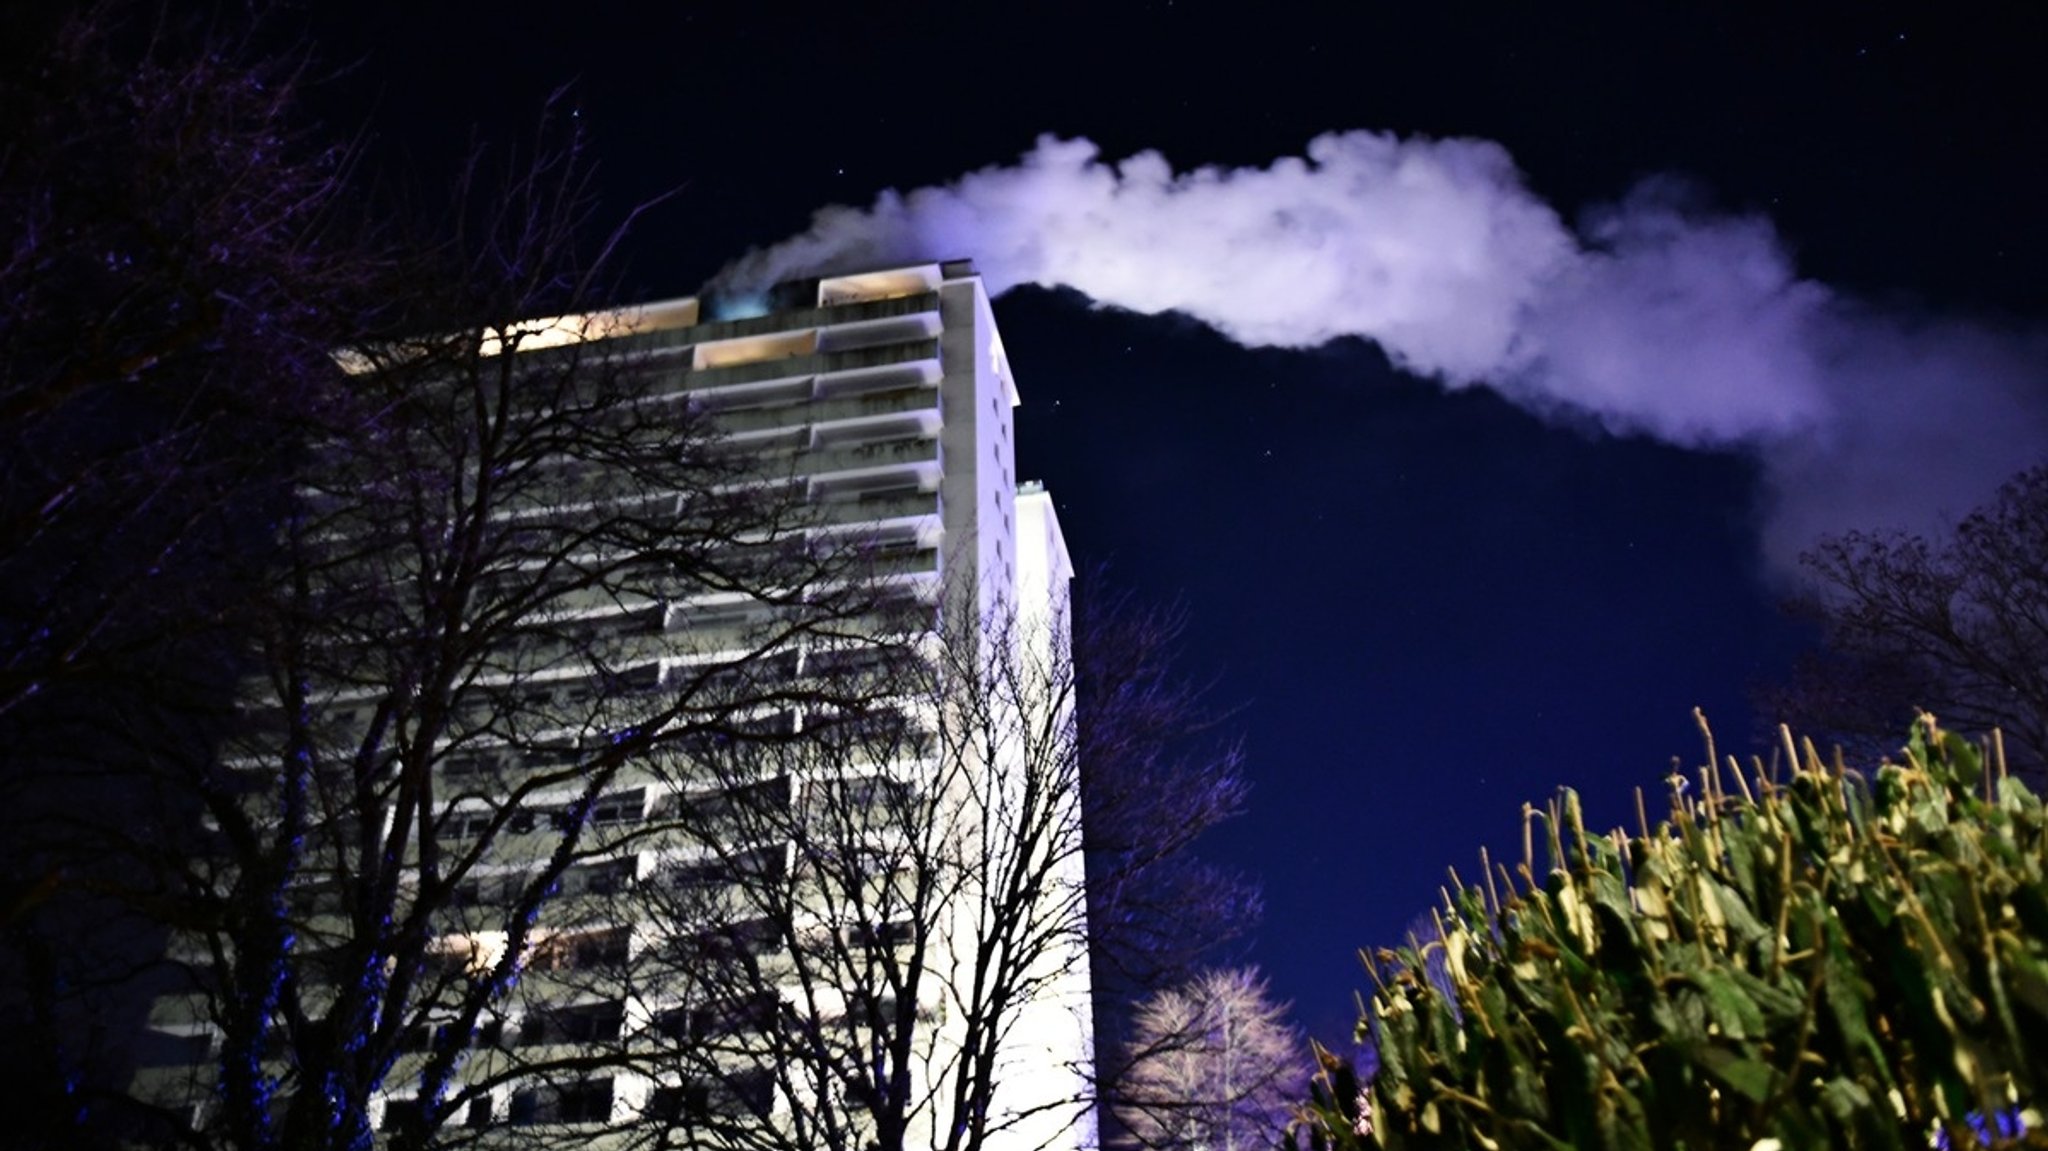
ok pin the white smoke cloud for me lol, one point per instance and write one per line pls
(1652, 318)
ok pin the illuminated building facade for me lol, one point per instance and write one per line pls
(885, 399)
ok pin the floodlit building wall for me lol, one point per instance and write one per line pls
(889, 395)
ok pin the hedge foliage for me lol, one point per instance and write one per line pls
(1833, 958)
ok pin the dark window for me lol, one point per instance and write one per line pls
(459, 766)
(586, 1102)
(608, 811)
(737, 1096)
(626, 807)
(587, 1023)
(313, 898)
(733, 940)
(402, 1113)
(557, 756)
(757, 867)
(464, 824)
(735, 812)
(877, 1012)
(756, 1013)
(746, 1093)
(867, 798)
(894, 934)
(645, 677)
(589, 1102)
(714, 741)
(607, 878)
(665, 1104)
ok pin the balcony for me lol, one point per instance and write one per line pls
(800, 409)
(877, 509)
(920, 355)
(832, 311)
(910, 455)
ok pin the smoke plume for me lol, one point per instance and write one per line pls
(1652, 317)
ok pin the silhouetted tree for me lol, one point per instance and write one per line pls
(175, 268)
(1957, 625)
(465, 677)
(336, 644)
(1157, 773)
(872, 925)
(300, 652)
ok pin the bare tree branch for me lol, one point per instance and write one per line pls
(1957, 626)
(1213, 1065)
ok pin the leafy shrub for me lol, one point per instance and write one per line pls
(1832, 959)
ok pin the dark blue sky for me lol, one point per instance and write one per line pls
(1430, 606)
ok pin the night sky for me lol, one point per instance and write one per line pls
(1428, 606)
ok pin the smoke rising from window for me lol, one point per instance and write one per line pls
(1651, 317)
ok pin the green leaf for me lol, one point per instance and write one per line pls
(1730, 1005)
(1753, 1080)
(1847, 995)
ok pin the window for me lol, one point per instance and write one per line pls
(746, 1093)
(583, 950)
(878, 935)
(665, 1104)
(758, 868)
(861, 801)
(497, 891)
(880, 732)
(739, 810)
(613, 810)
(608, 811)
(754, 1014)
(465, 824)
(400, 1114)
(736, 1096)
(313, 899)
(585, 1102)
(754, 349)
(589, 1102)
(463, 766)
(585, 1023)
(607, 878)
(732, 940)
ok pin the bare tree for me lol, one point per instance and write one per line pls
(459, 692)
(870, 915)
(434, 726)
(177, 270)
(1157, 773)
(176, 266)
(869, 919)
(1213, 1066)
(1956, 625)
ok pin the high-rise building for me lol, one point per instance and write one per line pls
(797, 904)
